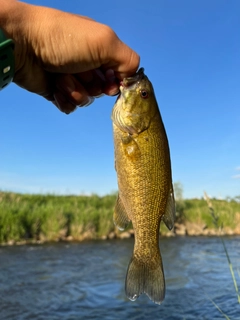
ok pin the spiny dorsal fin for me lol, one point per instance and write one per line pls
(169, 216)
(120, 216)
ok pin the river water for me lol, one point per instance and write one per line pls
(71, 281)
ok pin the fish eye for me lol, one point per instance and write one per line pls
(144, 94)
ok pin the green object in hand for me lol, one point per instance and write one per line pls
(6, 60)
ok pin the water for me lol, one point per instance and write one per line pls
(86, 281)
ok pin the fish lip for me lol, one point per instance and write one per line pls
(129, 81)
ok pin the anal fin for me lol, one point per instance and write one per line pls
(169, 216)
(120, 216)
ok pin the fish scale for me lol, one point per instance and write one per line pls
(142, 162)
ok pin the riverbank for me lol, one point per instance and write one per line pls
(28, 218)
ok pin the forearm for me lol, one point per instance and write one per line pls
(8, 8)
(14, 17)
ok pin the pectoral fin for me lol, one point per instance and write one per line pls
(130, 147)
(169, 216)
(120, 216)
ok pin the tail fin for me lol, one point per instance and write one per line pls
(145, 277)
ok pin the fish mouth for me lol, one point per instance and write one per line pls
(127, 82)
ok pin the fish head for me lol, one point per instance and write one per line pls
(136, 105)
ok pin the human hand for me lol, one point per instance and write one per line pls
(66, 58)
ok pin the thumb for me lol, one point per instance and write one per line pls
(121, 59)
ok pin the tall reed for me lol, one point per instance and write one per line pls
(219, 226)
(52, 217)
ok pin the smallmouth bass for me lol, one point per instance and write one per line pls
(142, 163)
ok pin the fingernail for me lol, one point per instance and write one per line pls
(87, 102)
(114, 91)
(99, 96)
(63, 104)
(100, 74)
(110, 76)
(112, 95)
(66, 84)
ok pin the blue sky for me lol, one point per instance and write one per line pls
(190, 51)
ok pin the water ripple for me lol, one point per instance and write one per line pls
(86, 281)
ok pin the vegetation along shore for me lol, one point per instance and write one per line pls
(28, 218)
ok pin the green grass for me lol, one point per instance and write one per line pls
(196, 210)
(52, 217)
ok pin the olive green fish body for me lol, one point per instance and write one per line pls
(142, 162)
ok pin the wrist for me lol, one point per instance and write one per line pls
(6, 9)
(12, 22)
(7, 60)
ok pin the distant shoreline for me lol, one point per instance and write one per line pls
(28, 218)
(180, 230)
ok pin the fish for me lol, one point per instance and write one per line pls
(145, 190)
